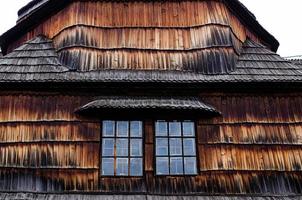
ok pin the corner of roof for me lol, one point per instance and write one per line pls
(29, 8)
(250, 20)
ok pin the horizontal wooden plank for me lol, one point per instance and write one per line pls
(227, 183)
(251, 134)
(145, 38)
(123, 184)
(258, 108)
(82, 155)
(81, 196)
(48, 180)
(206, 183)
(203, 61)
(39, 132)
(262, 158)
(29, 108)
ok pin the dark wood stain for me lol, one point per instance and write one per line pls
(90, 35)
(253, 147)
(50, 148)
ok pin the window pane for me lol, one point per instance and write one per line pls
(176, 166)
(174, 129)
(108, 128)
(108, 147)
(161, 128)
(108, 166)
(188, 129)
(136, 167)
(121, 147)
(136, 147)
(122, 166)
(189, 147)
(190, 166)
(175, 147)
(136, 129)
(122, 129)
(162, 146)
(162, 166)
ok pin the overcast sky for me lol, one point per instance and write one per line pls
(281, 18)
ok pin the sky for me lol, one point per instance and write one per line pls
(281, 18)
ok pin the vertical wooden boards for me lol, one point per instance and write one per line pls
(199, 36)
(45, 146)
(254, 147)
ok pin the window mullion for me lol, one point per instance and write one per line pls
(169, 154)
(129, 148)
(182, 150)
(115, 149)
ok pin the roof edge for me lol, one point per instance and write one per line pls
(148, 103)
(250, 20)
(29, 8)
(41, 12)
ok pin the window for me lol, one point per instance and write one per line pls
(175, 148)
(122, 148)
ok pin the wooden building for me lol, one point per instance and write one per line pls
(143, 99)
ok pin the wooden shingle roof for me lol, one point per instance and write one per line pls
(297, 62)
(257, 60)
(149, 103)
(36, 61)
(35, 56)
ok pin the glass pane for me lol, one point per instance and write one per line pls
(161, 128)
(175, 147)
(189, 147)
(122, 166)
(174, 129)
(121, 147)
(190, 166)
(162, 166)
(108, 128)
(136, 129)
(122, 129)
(108, 166)
(108, 147)
(162, 146)
(176, 166)
(188, 129)
(136, 147)
(136, 167)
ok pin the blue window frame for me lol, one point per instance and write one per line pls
(122, 148)
(175, 143)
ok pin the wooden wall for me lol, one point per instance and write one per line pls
(201, 35)
(254, 147)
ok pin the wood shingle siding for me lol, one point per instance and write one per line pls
(147, 61)
(165, 36)
(255, 149)
(29, 196)
(37, 61)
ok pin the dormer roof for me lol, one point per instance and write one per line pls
(36, 61)
(35, 56)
